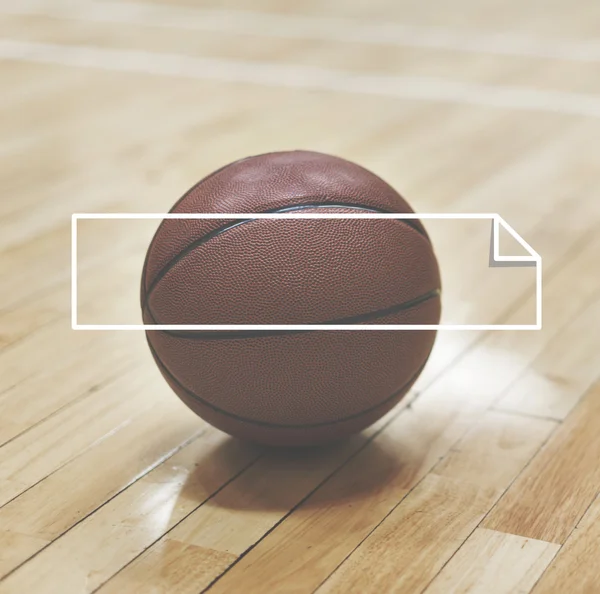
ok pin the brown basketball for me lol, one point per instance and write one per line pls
(291, 387)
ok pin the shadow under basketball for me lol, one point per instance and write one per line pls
(297, 473)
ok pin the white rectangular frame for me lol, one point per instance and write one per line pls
(533, 259)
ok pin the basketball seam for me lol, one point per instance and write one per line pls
(210, 175)
(243, 334)
(223, 229)
(405, 387)
(196, 185)
(358, 206)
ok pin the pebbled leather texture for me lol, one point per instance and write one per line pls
(291, 388)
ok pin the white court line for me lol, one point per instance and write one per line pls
(297, 26)
(302, 77)
(533, 257)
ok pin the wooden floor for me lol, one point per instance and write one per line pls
(488, 482)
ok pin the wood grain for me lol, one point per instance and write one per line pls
(494, 563)
(575, 567)
(58, 501)
(553, 493)
(555, 381)
(80, 561)
(322, 532)
(406, 550)
(236, 517)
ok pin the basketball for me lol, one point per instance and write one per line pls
(283, 387)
